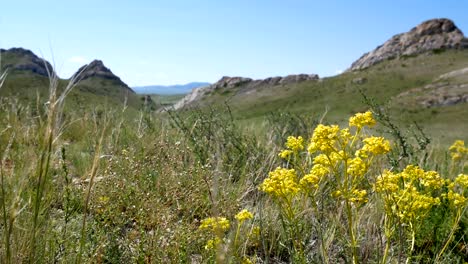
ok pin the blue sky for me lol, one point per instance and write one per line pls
(168, 42)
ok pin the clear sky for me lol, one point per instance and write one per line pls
(173, 41)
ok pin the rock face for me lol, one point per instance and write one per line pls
(243, 84)
(19, 59)
(430, 35)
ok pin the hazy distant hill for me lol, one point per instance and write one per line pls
(169, 89)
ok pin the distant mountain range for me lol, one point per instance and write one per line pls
(169, 89)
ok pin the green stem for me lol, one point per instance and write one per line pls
(351, 232)
(388, 235)
(413, 238)
(7, 235)
(237, 235)
(449, 239)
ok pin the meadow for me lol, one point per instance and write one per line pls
(116, 185)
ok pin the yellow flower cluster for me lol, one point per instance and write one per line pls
(456, 191)
(309, 181)
(458, 151)
(293, 145)
(462, 179)
(324, 138)
(244, 215)
(212, 243)
(215, 224)
(336, 149)
(357, 167)
(358, 196)
(408, 194)
(362, 119)
(456, 199)
(376, 145)
(281, 183)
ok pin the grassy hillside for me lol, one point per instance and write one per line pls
(340, 96)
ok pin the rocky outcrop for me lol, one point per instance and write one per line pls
(97, 69)
(430, 35)
(444, 95)
(243, 84)
(19, 59)
(448, 89)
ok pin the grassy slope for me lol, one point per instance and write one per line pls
(87, 94)
(340, 96)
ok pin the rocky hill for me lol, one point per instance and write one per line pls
(434, 34)
(241, 85)
(97, 69)
(19, 60)
(28, 76)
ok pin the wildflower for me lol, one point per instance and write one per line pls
(246, 260)
(376, 145)
(387, 182)
(324, 138)
(212, 243)
(285, 154)
(360, 120)
(295, 143)
(255, 231)
(244, 215)
(431, 179)
(309, 180)
(345, 136)
(215, 224)
(458, 151)
(358, 196)
(281, 183)
(462, 179)
(408, 194)
(104, 199)
(456, 199)
(356, 167)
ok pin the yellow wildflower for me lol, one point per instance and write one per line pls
(246, 260)
(244, 215)
(456, 199)
(309, 180)
(285, 154)
(408, 194)
(215, 224)
(324, 138)
(458, 151)
(462, 179)
(212, 243)
(358, 196)
(281, 183)
(357, 167)
(431, 179)
(295, 143)
(376, 145)
(360, 120)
